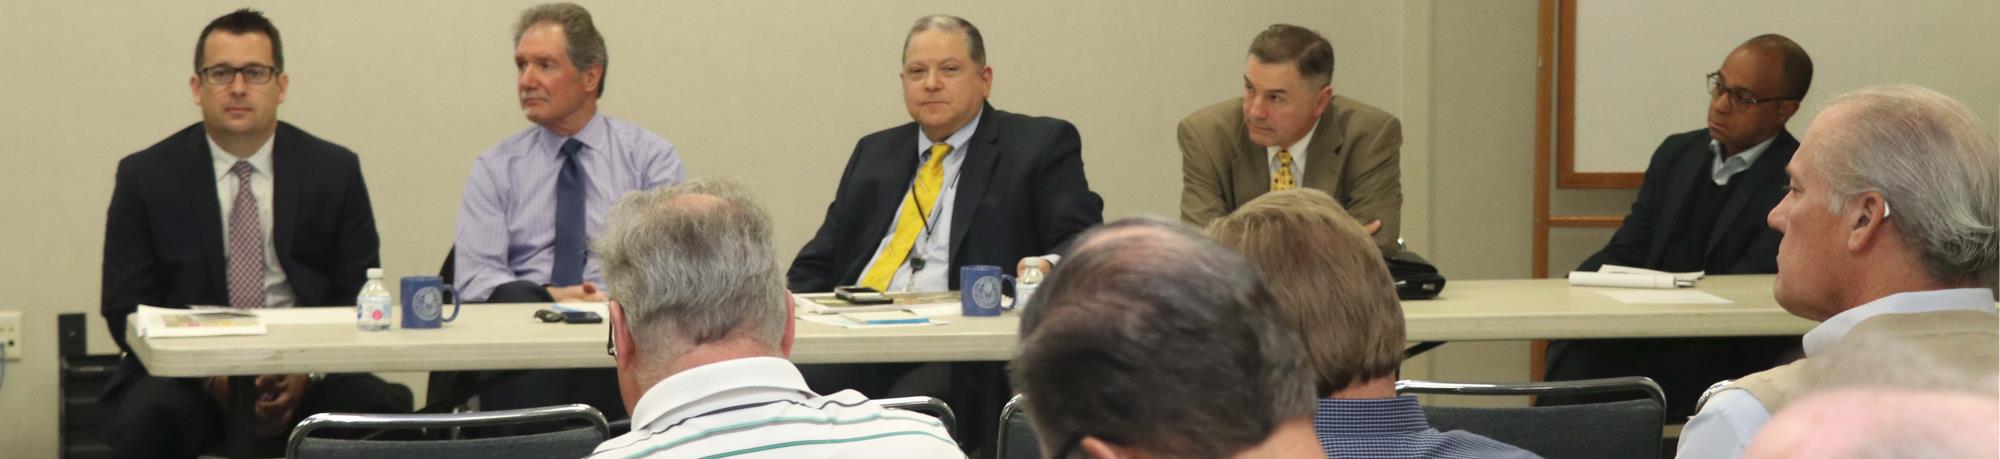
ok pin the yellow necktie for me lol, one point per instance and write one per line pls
(930, 180)
(1282, 179)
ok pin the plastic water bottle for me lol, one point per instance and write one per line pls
(1031, 279)
(374, 307)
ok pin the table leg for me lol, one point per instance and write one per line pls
(981, 389)
(241, 415)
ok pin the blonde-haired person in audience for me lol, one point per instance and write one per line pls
(1890, 228)
(1333, 289)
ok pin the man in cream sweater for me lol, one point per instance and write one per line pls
(1890, 233)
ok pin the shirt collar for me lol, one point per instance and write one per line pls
(1824, 335)
(1749, 156)
(1369, 418)
(957, 140)
(719, 385)
(594, 136)
(259, 161)
(1298, 149)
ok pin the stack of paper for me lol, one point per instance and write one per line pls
(908, 310)
(1630, 277)
(157, 322)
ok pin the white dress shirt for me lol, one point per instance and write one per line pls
(1298, 151)
(761, 407)
(1722, 169)
(277, 291)
(1733, 416)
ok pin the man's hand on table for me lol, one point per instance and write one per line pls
(587, 292)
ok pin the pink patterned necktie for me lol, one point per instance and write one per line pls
(246, 245)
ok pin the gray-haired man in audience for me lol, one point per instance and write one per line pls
(1124, 355)
(701, 324)
(1890, 229)
(1878, 395)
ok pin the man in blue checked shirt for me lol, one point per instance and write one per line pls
(1332, 287)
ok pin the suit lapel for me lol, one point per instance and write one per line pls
(1690, 166)
(198, 165)
(1251, 170)
(1754, 181)
(891, 176)
(974, 174)
(1323, 161)
(288, 170)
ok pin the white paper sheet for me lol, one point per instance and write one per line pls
(838, 321)
(1683, 277)
(936, 310)
(307, 316)
(1683, 296)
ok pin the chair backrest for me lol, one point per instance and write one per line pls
(80, 431)
(1017, 437)
(926, 405)
(569, 443)
(1629, 428)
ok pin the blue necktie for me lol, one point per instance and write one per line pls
(570, 249)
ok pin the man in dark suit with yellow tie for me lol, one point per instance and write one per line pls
(964, 184)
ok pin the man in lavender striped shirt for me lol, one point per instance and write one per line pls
(1332, 287)
(533, 201)
(507, 222)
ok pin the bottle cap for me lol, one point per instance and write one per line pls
(374, 273)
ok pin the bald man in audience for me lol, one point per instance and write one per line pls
(1333, 289)
(1124, 356)
(1890, 229)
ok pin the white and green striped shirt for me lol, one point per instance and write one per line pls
(761, 407)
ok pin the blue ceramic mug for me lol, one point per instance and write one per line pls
(979, 288)
(423, 302)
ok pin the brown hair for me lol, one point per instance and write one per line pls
(1283, 43)
(1329, 279)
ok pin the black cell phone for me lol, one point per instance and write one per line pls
(581, 317)
(857, 294)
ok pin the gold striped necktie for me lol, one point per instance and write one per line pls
(1282, 179)
(911, 220)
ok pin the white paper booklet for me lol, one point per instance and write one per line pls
(1630, 277)
(157, 322)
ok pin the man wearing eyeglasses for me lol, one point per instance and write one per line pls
(239, 210)
(1701, 208)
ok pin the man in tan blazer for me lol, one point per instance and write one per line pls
(1289, 130)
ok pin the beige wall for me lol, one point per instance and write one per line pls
(774, 92)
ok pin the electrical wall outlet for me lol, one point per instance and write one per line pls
(10, 333)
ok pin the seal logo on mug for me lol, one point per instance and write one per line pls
(986, 292)
(427, 303)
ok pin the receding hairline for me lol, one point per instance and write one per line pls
(975, 46)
